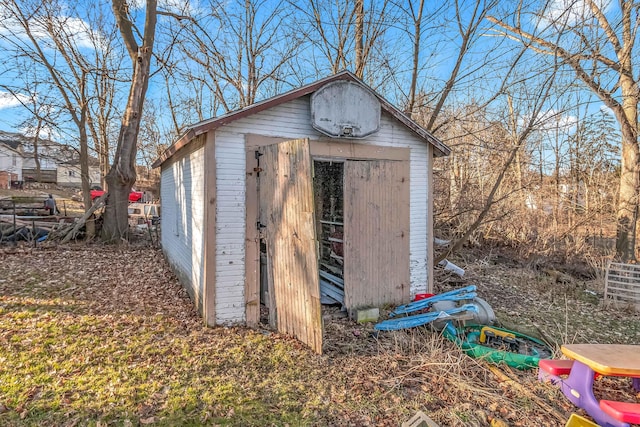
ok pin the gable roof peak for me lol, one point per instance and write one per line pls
(215, 122)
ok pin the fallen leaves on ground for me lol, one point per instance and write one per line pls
(101, 335)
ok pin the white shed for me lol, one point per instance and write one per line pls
(321, 193)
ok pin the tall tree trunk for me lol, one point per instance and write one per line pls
(84, 173)
(417, 35)
(36, 156)
(627, 116)
(627, 212)
(122, 175)
(359, 38)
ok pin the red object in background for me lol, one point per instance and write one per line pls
(134, 196)
(418, 297)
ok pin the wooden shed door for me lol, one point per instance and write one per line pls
(376, 232)
(287, 211)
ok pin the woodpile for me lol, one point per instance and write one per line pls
(39, 228)
(29, 228)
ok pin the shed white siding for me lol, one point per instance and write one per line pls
(182, 198)
(293, 120)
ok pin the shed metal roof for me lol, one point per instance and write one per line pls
(207, 125)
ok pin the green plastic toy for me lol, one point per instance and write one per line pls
(498, 345)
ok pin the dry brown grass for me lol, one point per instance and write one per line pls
(96, 335)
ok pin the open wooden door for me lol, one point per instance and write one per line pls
(287, 215)
(376, 233)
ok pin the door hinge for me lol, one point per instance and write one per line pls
(260, 225)
(258, 169)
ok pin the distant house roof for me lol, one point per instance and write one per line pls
(207, 125)
(60, 154)
(13, 140)
(10, 148)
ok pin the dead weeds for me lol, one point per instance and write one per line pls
(96, 335)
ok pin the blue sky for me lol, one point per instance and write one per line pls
(440, 41)
(10, 112)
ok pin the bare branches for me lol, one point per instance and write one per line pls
(234, 67)
(466, 35)
(606, 26)
(622, 97)
(521, 137)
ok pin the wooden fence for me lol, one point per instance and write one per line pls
(622, 286)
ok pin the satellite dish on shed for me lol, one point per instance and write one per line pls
(345, 109)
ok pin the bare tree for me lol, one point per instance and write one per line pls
(34, 28)
(456, 47)
(416, 13)
(505, 140)
(598, 46)
(122, 174)
(233, 68)
(31, 94)
(468, 31)
(344, 34)
(104, 94)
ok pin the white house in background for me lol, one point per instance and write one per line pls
(243, 206)
(11, 161)
(48, 166)
(59, 163)
(69, 173)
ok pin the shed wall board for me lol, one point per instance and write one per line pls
(209, 253)
(286, 200)
(291, 121)
(379, 189)
(182, 183)
(230, 226)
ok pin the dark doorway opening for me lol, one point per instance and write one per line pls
(328, 187)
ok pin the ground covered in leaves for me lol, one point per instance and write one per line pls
(96, 335)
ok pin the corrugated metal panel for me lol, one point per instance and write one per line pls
(287, 210)
(376, 233)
